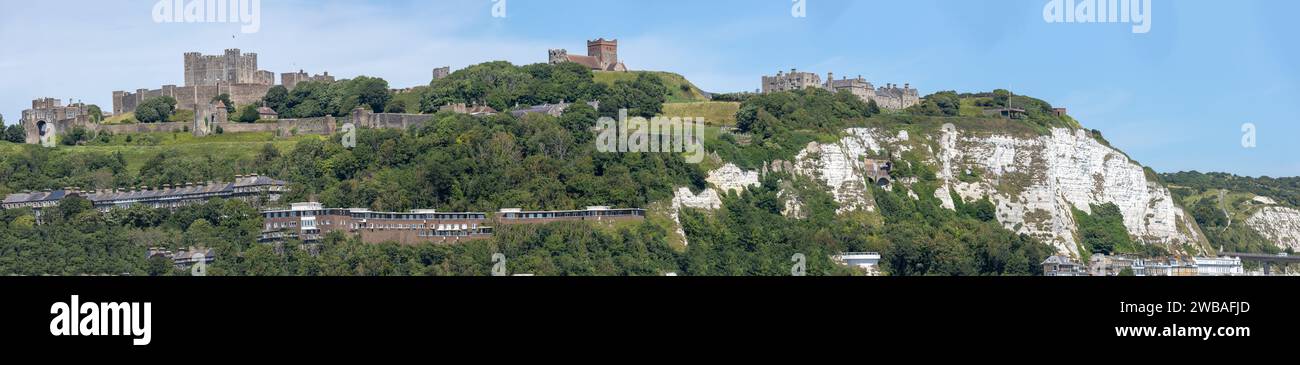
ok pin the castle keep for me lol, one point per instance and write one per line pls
(207, 76)
(889, 96)
(231, 68)
(602, 55)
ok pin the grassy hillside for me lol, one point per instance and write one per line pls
(719, 113)
(1221, 204)
(411, 98)
(680, 90)
(124, 118)
(138, 149)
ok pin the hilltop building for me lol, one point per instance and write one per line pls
(207, 76)
(231, 68)
(889, 96)
(441, 72)
(602, 55)
(40, 119)
(290, 80)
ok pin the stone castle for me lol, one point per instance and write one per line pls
(441, 72)
(602, 55)
(290, 80)
(34, 120)
(232, 68)
(207, 76)
(889, 96)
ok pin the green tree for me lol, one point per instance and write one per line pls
(96, 114)
(371, 92)
(1103, 231)
(77, 135)
(155, 110)
(396, 106)
(15, 133)
(940, 104)
(225, 99)
(248, 114)
(276, 98)
(1002, 98)
(643, 97)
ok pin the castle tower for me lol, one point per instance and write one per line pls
(192, 66)
(605, 51)
(230, 65)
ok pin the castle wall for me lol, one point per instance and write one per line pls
(228, 127)
(190, 97)
(326, 125)
(141, 128)
(365, 118)
(297, 127)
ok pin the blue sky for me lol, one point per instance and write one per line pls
(1174, 98)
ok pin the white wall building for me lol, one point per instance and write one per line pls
(1219, 266)
(869, 261)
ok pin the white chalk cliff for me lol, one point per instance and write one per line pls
(1278, 224)
(1034, 181)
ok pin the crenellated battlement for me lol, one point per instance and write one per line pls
(889, 96)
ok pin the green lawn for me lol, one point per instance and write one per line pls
(124, 118)
(144, 146)
(679, 89)
(412, 99)
(721, 113)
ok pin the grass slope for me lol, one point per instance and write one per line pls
(719, 113)
(680, 90)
